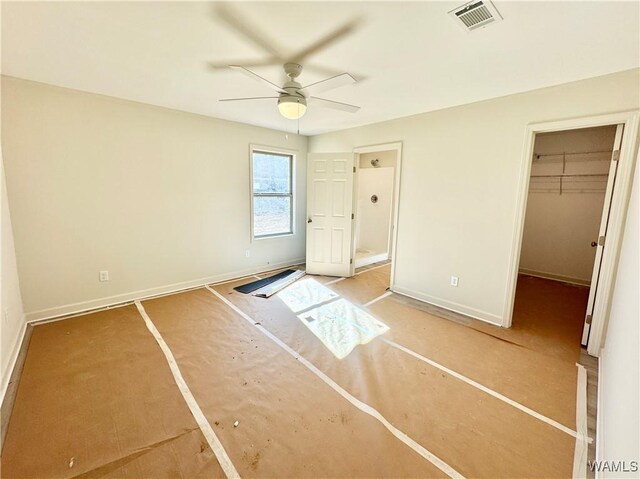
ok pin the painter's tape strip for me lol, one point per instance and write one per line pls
(485, 389)
(375, 300)
(357, 274)
(429, 456)
(371, 269)
(582, 449)
(205, 427)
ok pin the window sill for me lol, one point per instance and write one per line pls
(276, 236)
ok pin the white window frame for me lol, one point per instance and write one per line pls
(292, 177)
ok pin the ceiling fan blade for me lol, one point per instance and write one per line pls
(328, 84)
(257, 77)
(336, 105)
(251, 98)
(243, 63)
(324, 42)
(321, 70)
(241, 24)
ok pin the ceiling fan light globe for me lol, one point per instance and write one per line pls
(292, 108)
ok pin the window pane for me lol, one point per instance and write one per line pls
(271, 173)
(271, 215)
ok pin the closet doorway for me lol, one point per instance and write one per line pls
(571, 185)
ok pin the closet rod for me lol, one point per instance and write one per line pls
(570, 176)
(540, 155)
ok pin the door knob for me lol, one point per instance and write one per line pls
(594, 244)
(309, 220)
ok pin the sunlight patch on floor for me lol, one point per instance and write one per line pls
(304, 294)
(341, 326)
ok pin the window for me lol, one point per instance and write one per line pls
(272, 191)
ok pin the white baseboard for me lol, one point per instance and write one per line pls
(485, 316)
(15, 352)
(367, 260)
(555, 277)
(87, 306)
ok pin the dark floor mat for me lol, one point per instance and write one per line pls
(255, 285)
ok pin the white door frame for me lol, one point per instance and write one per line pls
(617, 216)
(397, 147)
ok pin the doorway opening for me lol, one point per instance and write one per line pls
(624, 157)
(376, 196)
(374, 206)
(571, 185)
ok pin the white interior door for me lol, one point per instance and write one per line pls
(602, 234)
(330, 213)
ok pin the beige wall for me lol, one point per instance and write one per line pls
(559, 229)
(12, 319)
(459, 185)
(618, 417)
(157, 197)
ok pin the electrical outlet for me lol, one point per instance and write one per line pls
(247, 253)
(104, 276)
(454, 281)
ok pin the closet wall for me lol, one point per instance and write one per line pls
(563, 214)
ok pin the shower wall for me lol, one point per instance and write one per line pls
(374, 219)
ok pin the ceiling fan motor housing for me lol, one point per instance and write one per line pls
(292, 87)
(293, 70)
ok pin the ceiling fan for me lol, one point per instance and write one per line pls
(292, 98)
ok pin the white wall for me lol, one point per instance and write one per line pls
(459, 185)
(374, 219)
(618, 415)
(12, 319)
(157, 197)
(559, 228)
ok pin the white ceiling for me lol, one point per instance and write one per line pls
(413, 56)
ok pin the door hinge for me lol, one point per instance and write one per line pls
(616, 155)
(601, 240)
(354, 169)
(351, 261)
(352, 216)
(588, 319)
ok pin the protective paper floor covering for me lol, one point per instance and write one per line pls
(97, 398)
(548, 317)
(365, 286)
(341, 326)
(542, 347)
(290, 423)
(474, 432)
